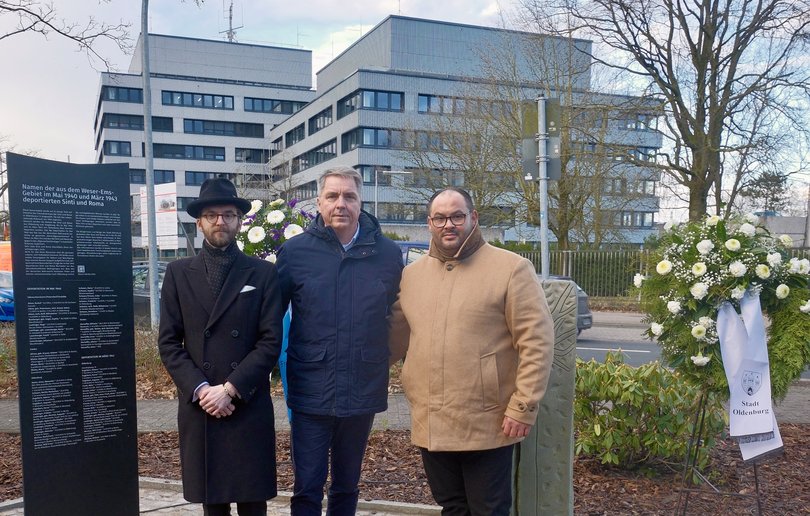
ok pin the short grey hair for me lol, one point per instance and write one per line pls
(342, 171)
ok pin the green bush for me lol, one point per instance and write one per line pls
(635, 417)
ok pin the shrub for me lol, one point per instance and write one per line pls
(636, 417)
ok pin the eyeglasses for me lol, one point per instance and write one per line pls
(440, 221)
(227, 217)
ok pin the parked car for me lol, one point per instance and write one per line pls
(412, 251)
(6, 296)
(140, 289)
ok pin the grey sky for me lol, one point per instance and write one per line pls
(49, 90)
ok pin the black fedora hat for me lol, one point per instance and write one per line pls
(217, 191)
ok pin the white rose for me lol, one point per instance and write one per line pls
(786, 240)
(256, 234)
(674, 307)
(805, 307)
(276, 203)
(699, 269)
(748, 230)
(712, 220)
(732, 244)
(773, 259)
(271, 257)
(638, 279)
(782, 291)
(255, 206)
(699, 360)
(705, 246)
(737, 269)
(668, 226)
(656, 329)
(245, 227)
(705, 321)
(752, 218)
(275, 216)
(292, 230)
(794, 265)
(737, 293)
(698, 331)
(664, 267)
(763, 271)
(804, 266)
(699, 290)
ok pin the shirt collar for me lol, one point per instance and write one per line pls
(348, 246)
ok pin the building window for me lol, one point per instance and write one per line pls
(372, 137)
(251, 155)
(200, 100)
(305, 191)
(137, 176)
(171, 151)
(643, 153)
(370, 99)
(395, 212)
(121, 94)
(135, 122)
(367, 171)
(283, 107)
(116, 148)
(276, 146)
(294, 136)
(640, 122)
(615, 185)
(321, 120)
(637, 219)
(452, 105)
(645, 187)
(198, 178)
(191, 126)
(315, 156)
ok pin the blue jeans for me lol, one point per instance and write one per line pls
(314, 440)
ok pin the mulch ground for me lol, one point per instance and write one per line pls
(393, 471)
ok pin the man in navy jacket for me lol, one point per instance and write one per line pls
(341, 276)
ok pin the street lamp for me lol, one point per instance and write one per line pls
(376, 182)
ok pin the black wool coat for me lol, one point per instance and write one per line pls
(235, 337)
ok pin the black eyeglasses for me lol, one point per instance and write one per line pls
(440, 221)
(227, 217)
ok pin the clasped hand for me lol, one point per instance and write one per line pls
(215, 401)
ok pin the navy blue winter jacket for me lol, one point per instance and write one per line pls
(337, 359)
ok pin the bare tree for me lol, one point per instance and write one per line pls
(42, 17)
(726, 71)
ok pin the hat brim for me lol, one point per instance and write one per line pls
(195, 207)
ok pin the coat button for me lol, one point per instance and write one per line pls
(206, 366)
(207, 333)
(522, 407)
(233, 365)
(449, 266)
(235, 333)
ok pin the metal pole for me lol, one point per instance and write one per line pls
(154, 309)
(542, 163)
(375, 192)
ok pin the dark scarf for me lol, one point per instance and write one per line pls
(473, 242)
(217, 264)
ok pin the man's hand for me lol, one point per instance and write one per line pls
(514, 428)
(215, 401)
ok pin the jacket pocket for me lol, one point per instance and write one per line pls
(490, 386)
(306, 371)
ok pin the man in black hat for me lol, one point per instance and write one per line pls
(220, 337)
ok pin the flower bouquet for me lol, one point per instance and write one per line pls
(697, 267)
(266, 226)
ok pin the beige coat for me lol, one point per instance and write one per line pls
(480, 342)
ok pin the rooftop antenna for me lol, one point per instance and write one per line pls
(231, 32)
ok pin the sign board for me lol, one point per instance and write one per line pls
(72, 258)
(530, 148)
(165, 215)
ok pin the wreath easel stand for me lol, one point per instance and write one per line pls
(690, 469)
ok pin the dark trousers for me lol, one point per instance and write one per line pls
(471, 482)
(314, 439)
(242, 509)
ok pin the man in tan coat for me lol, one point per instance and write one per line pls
(479, 339)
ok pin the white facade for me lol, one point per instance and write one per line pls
(202, 109)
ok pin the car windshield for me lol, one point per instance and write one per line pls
(5, 280)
